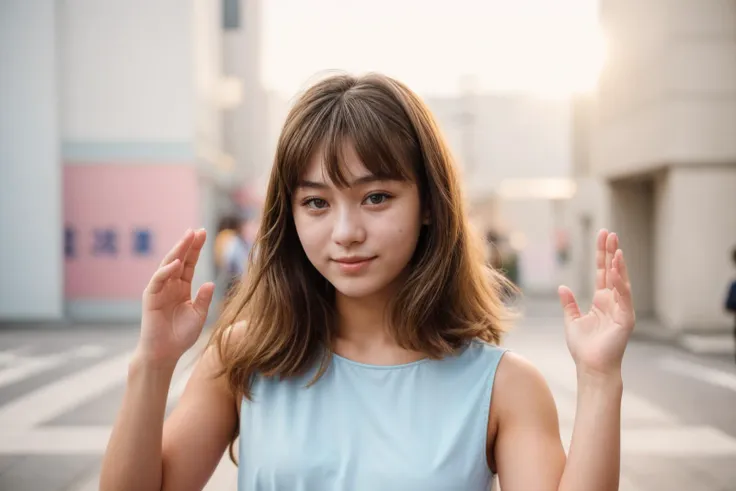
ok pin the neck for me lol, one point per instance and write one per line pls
(363, 334)
(362, 322)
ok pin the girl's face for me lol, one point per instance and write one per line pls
(362, 237)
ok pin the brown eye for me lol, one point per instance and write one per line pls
(377, 198)
(315, 203)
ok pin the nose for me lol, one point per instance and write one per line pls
(348, 228)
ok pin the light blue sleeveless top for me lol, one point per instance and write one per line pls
(419, 426)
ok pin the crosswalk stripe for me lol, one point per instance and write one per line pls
(25, 367)
(673, 441)
(49, 401)
(56, 440)
(9, 356)
(34, 408)
(700, 372)
(29, 368)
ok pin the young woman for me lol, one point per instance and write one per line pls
(362, 353)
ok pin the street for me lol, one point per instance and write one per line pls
(60, 390)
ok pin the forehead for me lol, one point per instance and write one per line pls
(317, 169)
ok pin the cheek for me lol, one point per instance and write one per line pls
(310, 232)
(400, 230)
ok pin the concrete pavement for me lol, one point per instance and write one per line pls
(678, 411)
(60, 391)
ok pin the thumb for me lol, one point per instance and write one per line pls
(569, 305)
(204, 298)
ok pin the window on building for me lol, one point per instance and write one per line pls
(230, 14)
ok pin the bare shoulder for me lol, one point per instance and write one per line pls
(519, 387)
(516, 372)
(238, 328)
(222, 340)
(235, 332)
(210, 359)
(521, 398)
(524, 445)
(228, 344)
(208, 377)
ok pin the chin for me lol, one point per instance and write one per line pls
(357, 287)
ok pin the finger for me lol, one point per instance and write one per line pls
(611, 247)
(600, 260)
(569, 305)
(180, 249)
(200, 236)
(620, 265)
(204, 298)
(162, 274)
(623, 288)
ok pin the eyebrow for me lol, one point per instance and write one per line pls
(357, 182)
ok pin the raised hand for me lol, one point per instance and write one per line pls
(597, 340)
(172, 321)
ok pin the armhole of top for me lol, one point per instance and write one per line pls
(488, 399)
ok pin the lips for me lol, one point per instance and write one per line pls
(353, 259)
(353, 265)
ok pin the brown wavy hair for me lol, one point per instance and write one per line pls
(450, 296)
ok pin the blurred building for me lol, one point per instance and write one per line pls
(513, 153)
(114, 142)
(655, 160)
(245, 131)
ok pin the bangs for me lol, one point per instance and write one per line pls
(386, 147)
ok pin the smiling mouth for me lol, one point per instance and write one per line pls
(353, 265)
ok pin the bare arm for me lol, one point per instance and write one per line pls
(143, 453)
(133, 456)
(527, 451)
(594, 457)
(597, 341)
(198, 431)
(527, 447)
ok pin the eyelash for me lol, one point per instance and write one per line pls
(309, 201)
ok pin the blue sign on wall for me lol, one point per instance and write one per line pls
(70, 242)
(105, 241)
(142, 242)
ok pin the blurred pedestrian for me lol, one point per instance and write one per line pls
(364, 351)
(730, 303)
(231, 252)
(227, 228)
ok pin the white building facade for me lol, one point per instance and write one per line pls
(655, 158)
(112, 146)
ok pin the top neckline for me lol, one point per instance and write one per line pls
(380, 367)
(400, 366)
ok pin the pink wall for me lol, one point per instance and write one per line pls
(103, 207)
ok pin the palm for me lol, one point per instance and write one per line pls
(173, 305)
(172, 320)
(597, 340)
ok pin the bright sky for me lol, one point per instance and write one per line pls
(546, 47)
